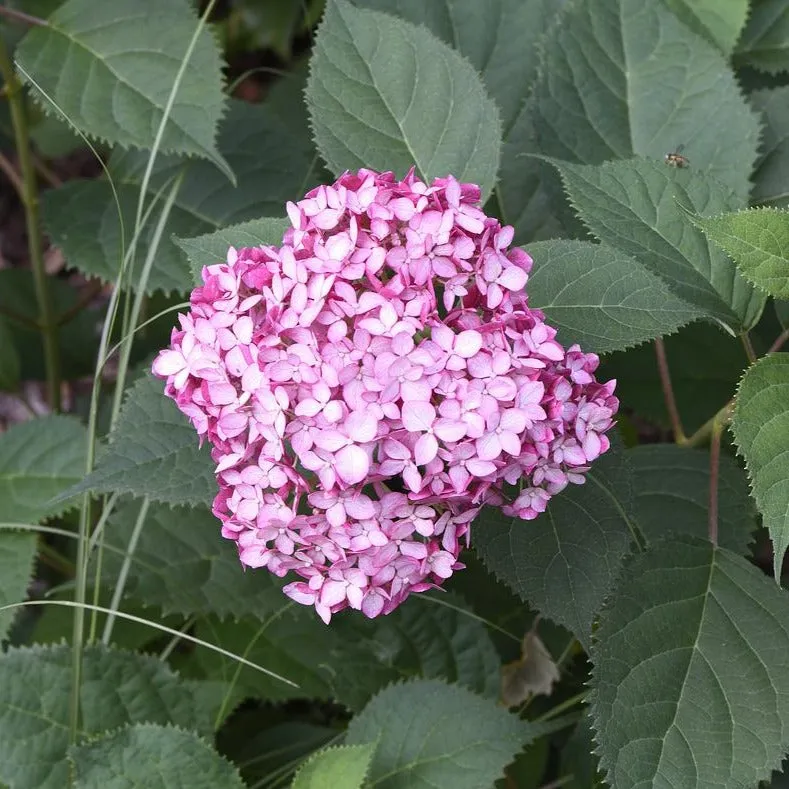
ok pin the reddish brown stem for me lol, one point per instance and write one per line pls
(779, 341)
(668, 392)
(21, 16)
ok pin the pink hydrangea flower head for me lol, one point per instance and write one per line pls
(382, 372)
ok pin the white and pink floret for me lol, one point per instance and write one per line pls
(369, 385)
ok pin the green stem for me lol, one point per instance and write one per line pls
(705, 432)
(29, 194)
(564, 706)
(748, 346)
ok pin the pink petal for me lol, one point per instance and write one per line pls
(417, 416)
(330, 440)
(168, 363)
(373, 604)
(449, 429)
(468, 343)
(510, 443)
(480, 468)
(426, 449)
(513, 278)
(332, 593)
(513, 420)
(592, 446)
(488, 447)
(352, 464)
(360, 507)
(361, 426)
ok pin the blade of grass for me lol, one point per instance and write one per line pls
(156, 626)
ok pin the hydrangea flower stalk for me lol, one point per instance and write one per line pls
(369, 385)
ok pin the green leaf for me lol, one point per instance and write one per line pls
(9, 359)
(433, 734)
(183, 565)
(705, 363)
(690, 671)
(758, 242)
(426, 639)
(600, 297)
(17, 552)
(289, 641)
(611, 86)
(117, 688)
(720, 23)
(110, 69)
(272, 166)
(761, 429)
(211, 248)
(385, 94)
(147, 755)
(76, 337)
(153, 452)
(635, 206)
(498, 37)
(529, 191)
(771, 175)
(764, 43)
(578, 759)
(341, 767)
(565, 562)
(354, 658)
(39, 459)
(671, 486)
(260, 744)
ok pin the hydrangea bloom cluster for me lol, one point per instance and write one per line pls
(371, 383)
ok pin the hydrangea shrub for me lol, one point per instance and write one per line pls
(465, 463)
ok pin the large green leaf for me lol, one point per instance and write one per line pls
(386, 94)
(39, 459)
(117, 688)
(17, 552)
(718, 22)
(354, 658)
(153, 452)
(272, 167)
(529, 192)
(566, 560)
(110, 68)
(183, 565)
(626, 77)
(426, 639)
(151, 756)
(76, 337)
(705, 363)
(600, 297)
(765, 41)
(758, 242)
(771, 176)
(342, 767)
(671, 486)
(431, 734)
(690, 671)
(498, 37)
(761, 430)
(211, 248)
(637, 206)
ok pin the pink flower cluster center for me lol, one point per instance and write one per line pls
(371, 383)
